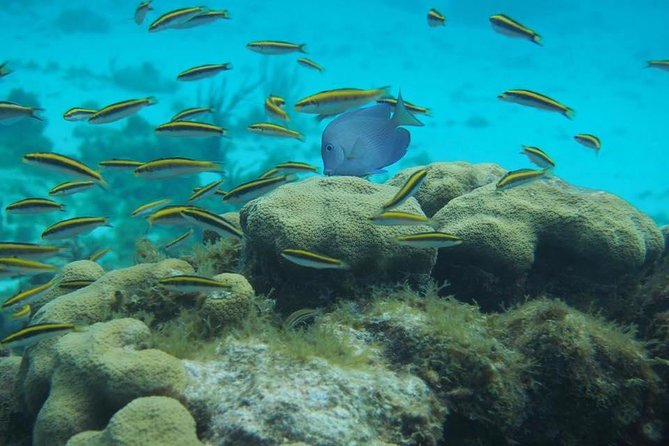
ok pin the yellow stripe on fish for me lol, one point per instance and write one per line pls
(435, 18)
(34, 206)
(274, 110)
(70, 188)
(29, 295)
(311, 259)
(588, 140)
(34, 333)
(269, 129)
(141, 11)
(78, 114)
(213, 222)
(408, 189)
(23, 313)
(11, 111)
(192, 284)
(538, 157)
(204, 18)
(148, 208)
(306, 62)
(191, 113)
(203, 71)
(337, 101)
(275, 47)
(255, 188)
(537, 100)
(168, 216)
(173, 167)
(519, 177)
(507, 26)
(64, 164)
(179, 240)
(401, 218)
(24, 266)
(289, 167)
(189, 129)
(28, 250)
(432, 239)
(413, 108)
(204, 191)
(120, 110)
(660, 64)
(75, 284)
(278, 100)
(97, 255)
(120, 164)
(73, 227)
(174, 18)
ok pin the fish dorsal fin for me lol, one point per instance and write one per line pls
(403, 116)
(356, 149)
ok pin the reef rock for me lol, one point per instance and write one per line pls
(14, 427)
(329, 216)
(254, 396)
(446, 181)
(545, 237)
(225, 308)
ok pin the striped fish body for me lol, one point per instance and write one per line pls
(174, 167)
(168, 216)
(413, 108)
(71, 188)
(332, 102)
(278, 100)
(203, 71)
(34, 333)
(275, 47)
(505, 25)
(73, 227)
(538, 157)
(533, 99)
(204, 18)
(175, 18)
(275, 111)
(435, 18)
(27, 250)
(520, 177)
(408, 189)
(191, 113)
(76, 114)
(306, 62)
(589, 141)
(148, 208)
(65, 165)
(27, 296)
(192, 284)
(30, 206)
(275, 130)
(120, 110)
(292, 167)
(314, 260)
(22, 314)
(11, 112)
(400, 218)
(213, 222)
(120, 164)
(141, 11)
(97, 255)
(18, 265)
(255, 188)
(72, 285)
(205, 191)
(189, 129)
(659, 64)
(179, 241)
(433, 239)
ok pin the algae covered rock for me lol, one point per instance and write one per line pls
(225, 308)
(446, 181)
(78, 270)
(96, 372)
(545, 237)
(149, 421)
(14, 427)
(329, 216)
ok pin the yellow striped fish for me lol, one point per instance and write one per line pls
(255, 188)
(306, 62)
(70, 188)
(408, 189)
(213, 222)
(275, 47)
(204, 191)
(189, 129)
(120, 110)
(519, 177)
(75, 284)
(174, 167)
(168, 216)
(433, 239)
(24, 266)
(148, 208)
(533, 99)
(538, 157)
(273, 172)
(269, 129)
(435, 18)
(311, 259)
(274, 110)
(142, 10)
(203, 71)
(590, 141)
(34, 206)
(401, 218)
(180, 240)
(192, 284)
(22, 314)
(73, 227)
(204, 18)
(332, 102)
(27, 250)
(34, 333)
(97, 255)
(289, 167)
(660, 64)
(78, 114)
(413, 108)
(191, 113)
(27, 296)
(278, 100)
(175, 18)
(505, 25)
(11, 112)
(120, 164)
(64, 164)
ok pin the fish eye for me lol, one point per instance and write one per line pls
(329, 148)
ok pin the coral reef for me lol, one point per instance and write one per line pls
(77, 270)
(329, 216)
(226, 308)
(14, 428)
(149, 421)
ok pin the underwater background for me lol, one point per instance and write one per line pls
(460, 346)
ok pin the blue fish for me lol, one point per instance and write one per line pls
(362, 142)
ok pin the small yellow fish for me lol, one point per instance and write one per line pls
(179, 240)
(519, 177)
(401, 218)
(533, 99)
(538, 157)
(269, 129)
(192, 284)
(120, 164)
(505, 25)
(175, 18)
(27, 296)
(34, 206)
(34, 333)
(148, 208)
(64, 164)
(27, 250)
(142, 9)
(168, 216)
(413, 108)
(191, 113)
(174, 167)
(204, 18)
(204, 191)
(255, 188)
(660, 64)
(289, 167)
(203, 71)
(189, 129)
(120, 110)
(78, 114)
(71, 187)
(278, 100)
(274, 110)
(435, 18)
(306, 62)
(590, 141)
(21, 315)
(332, 102)
(310, 259)
(73, 227)
(408, 189)
(11, 112)
(275, 47)
(97, 255)
(24, 266)
(210, 221)
(433, 239)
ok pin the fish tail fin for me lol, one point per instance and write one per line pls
(537, 39)
(569, 113)
(302, 48)
(228, 66)
(34, 115)
(103, 184)
(403, 116)
(151, 100)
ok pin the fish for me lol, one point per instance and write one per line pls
(19, 265)
(275, 111)
(362, 142)
(27, 250)
(189, 129)
(66, 165)
(23, 314)
(73, 227)
(413, 108)
(275, 47)
(204, 191)
(255, 188)
(27, 296)
(273, 172)
(311, 259)
(401, 218)
(75, 284)
(519, 177)
(120, 110)
(533, 99)
(203, 71)
(306, 62)
(333, 102)
(4, 71)
(298, 317)
(660, 64)
(590, 141)
(503, 24)
(204, 18)
(168, 216)
(78, 114)
(142, 10)
(180, 240)
(187, 283)
(269, 129)
(11, 112)
(71, 188)
(97, 255)
(213, 222)
(538, 157)
(175, 18)
(148, 208)
(432, 239)
(119, 164)
(291, 167)
(174, 167)
(408, 189)
(34, 333)
(191, 113)
(435, 18)
(34, 206)
(278, 100)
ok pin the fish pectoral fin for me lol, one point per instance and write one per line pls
(356, 150)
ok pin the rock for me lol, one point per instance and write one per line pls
(14, 427)
(149, 421)
(78, 270)
(329, 216)
(545, 237)
(446, 181)
(223, 309)
(254, 396)
(665, 233)
(96, 372)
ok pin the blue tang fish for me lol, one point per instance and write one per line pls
(362, 142)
